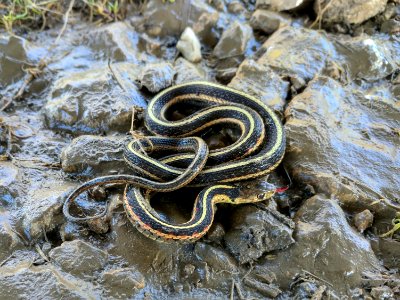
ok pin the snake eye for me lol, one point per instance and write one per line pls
(261, 196)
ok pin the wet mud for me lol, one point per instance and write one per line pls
(329, 70)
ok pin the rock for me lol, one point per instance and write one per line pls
(42, 282)
(367, 58)
(281, 5)
(166, 19)
(42, 147)
(382, 293)
(122, 283)
(94, 154)
(391, 27)
(8, 181)
(387, 250)
(205, 28)
(236, 7)
(324, 238)
(363, 220)
(231, 49)
(115, 41)
(297, 52)
(78, 257)
(350, 12)
(255, 231)
(92, 101)
(41, 206)
(233, 41)
(9, 239)
(269, 21)
(156, 77)
(189, 45)
(186, 71)
(261, 82)
(16, 54)
(336, 153)
(216, 259)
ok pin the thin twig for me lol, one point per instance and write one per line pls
(316, 277)
(321, 13)
(66, 17)
(41, 253)
(232, 290)
(6, 260)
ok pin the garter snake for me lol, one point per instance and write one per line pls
(258, 151)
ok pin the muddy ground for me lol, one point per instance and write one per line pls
(330, 70)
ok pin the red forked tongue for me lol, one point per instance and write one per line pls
(281, 189)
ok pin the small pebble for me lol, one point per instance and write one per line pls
(98, 193)
(189, 45)
(363, 220)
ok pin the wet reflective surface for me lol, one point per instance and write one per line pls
(337, 91)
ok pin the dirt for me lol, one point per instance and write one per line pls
(335, 84)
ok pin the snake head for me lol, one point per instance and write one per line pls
(253, 191)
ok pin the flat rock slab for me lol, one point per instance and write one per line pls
(326, 246)
(79, 257)
(344, 143)
(94, 101)
(122, 283)
(261, 82)
(41, 206)
(297, 52)
(42, 282)
(93, 154)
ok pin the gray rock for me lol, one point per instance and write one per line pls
(205, 28)
(215, 258)
(391, 26)
(42, 282)
(114, 41)
(41, 206)
(94, 154)
(255, 232)
(187, 71)
(156, 77)
(349, 11)
(189, 45)
(9, 239)
(233, 41)
(338, 153)
(281, 5)
(260, 81)
(382, 293)
(368, 58)
(122, 283)
(324, 238)
(78, 257)
(92, 101)
(387, 250)
(269, 21)
(42, 147)
(363, 220)
(165, 19)
(231, 49)
(8, 181)
(15, 55)
(297, 52)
